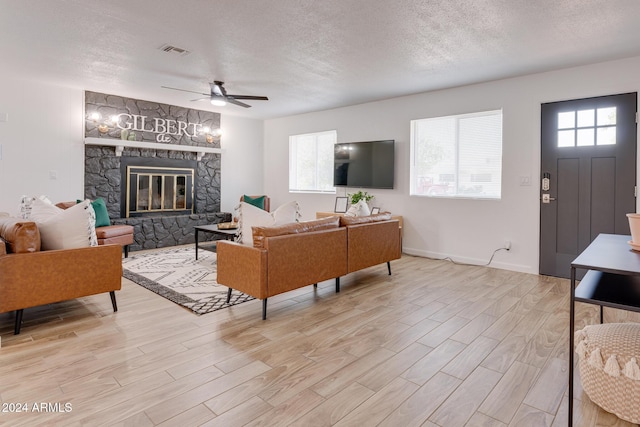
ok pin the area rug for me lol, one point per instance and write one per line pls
(175, 274)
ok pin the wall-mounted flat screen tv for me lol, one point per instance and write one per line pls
(367, 164)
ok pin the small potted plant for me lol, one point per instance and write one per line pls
(360, 195)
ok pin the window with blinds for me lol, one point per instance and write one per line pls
(311, 162)
(457, 156)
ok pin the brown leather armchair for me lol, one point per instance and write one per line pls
(30, 277)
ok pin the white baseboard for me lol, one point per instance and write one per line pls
(466, 260)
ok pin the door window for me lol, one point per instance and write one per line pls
(586, 128)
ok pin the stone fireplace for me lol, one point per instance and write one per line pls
(161, 184)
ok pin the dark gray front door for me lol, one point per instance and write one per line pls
(589, 159)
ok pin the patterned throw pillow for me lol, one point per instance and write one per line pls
(25, 207)
(27, 201)
(359, 209)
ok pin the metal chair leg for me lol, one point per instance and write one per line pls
(113, 301)
(16, 329)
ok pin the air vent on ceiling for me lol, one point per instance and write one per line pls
(173, 49)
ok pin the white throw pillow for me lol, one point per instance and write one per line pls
(64, 228)
(252, 216)
(41, 210)
(359, 209)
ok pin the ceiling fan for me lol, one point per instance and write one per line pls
(219, 96)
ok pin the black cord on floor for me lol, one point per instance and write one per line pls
(466, 263)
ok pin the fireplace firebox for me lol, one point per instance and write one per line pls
(158, 187)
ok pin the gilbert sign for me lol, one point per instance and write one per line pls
(162, 127)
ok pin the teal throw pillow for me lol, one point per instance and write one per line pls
(255, 201)
(102, 215)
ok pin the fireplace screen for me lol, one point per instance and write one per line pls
(159, 190)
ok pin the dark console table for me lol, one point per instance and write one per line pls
(226, 233)
(612, 280)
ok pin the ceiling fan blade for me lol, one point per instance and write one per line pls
(241, 104)
(184, 90)
(255, 98)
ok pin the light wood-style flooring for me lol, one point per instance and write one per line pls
(434, 344)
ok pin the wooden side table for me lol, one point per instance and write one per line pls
(326, 214)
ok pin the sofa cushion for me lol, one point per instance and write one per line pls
(65, 229)
(250, 216)
(352, 220)
(260, 233)
(112, 231)
(20, 236)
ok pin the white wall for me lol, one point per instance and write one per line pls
(466, 230)
(44, 133)
(242, 170)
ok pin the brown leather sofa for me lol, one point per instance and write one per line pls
(371, 240)
(30, 277)
(288, 257)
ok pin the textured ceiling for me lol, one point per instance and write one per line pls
(305, 55)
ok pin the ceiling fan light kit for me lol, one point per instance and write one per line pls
(219, 96)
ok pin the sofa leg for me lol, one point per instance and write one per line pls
(113, 301)
(229, 295)
(389, 267)
(16, 329)
(264, 309)
(126, 251)
(315, 286)
(337, 284)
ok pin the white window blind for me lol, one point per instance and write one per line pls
(457, 156)
(311, 162)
